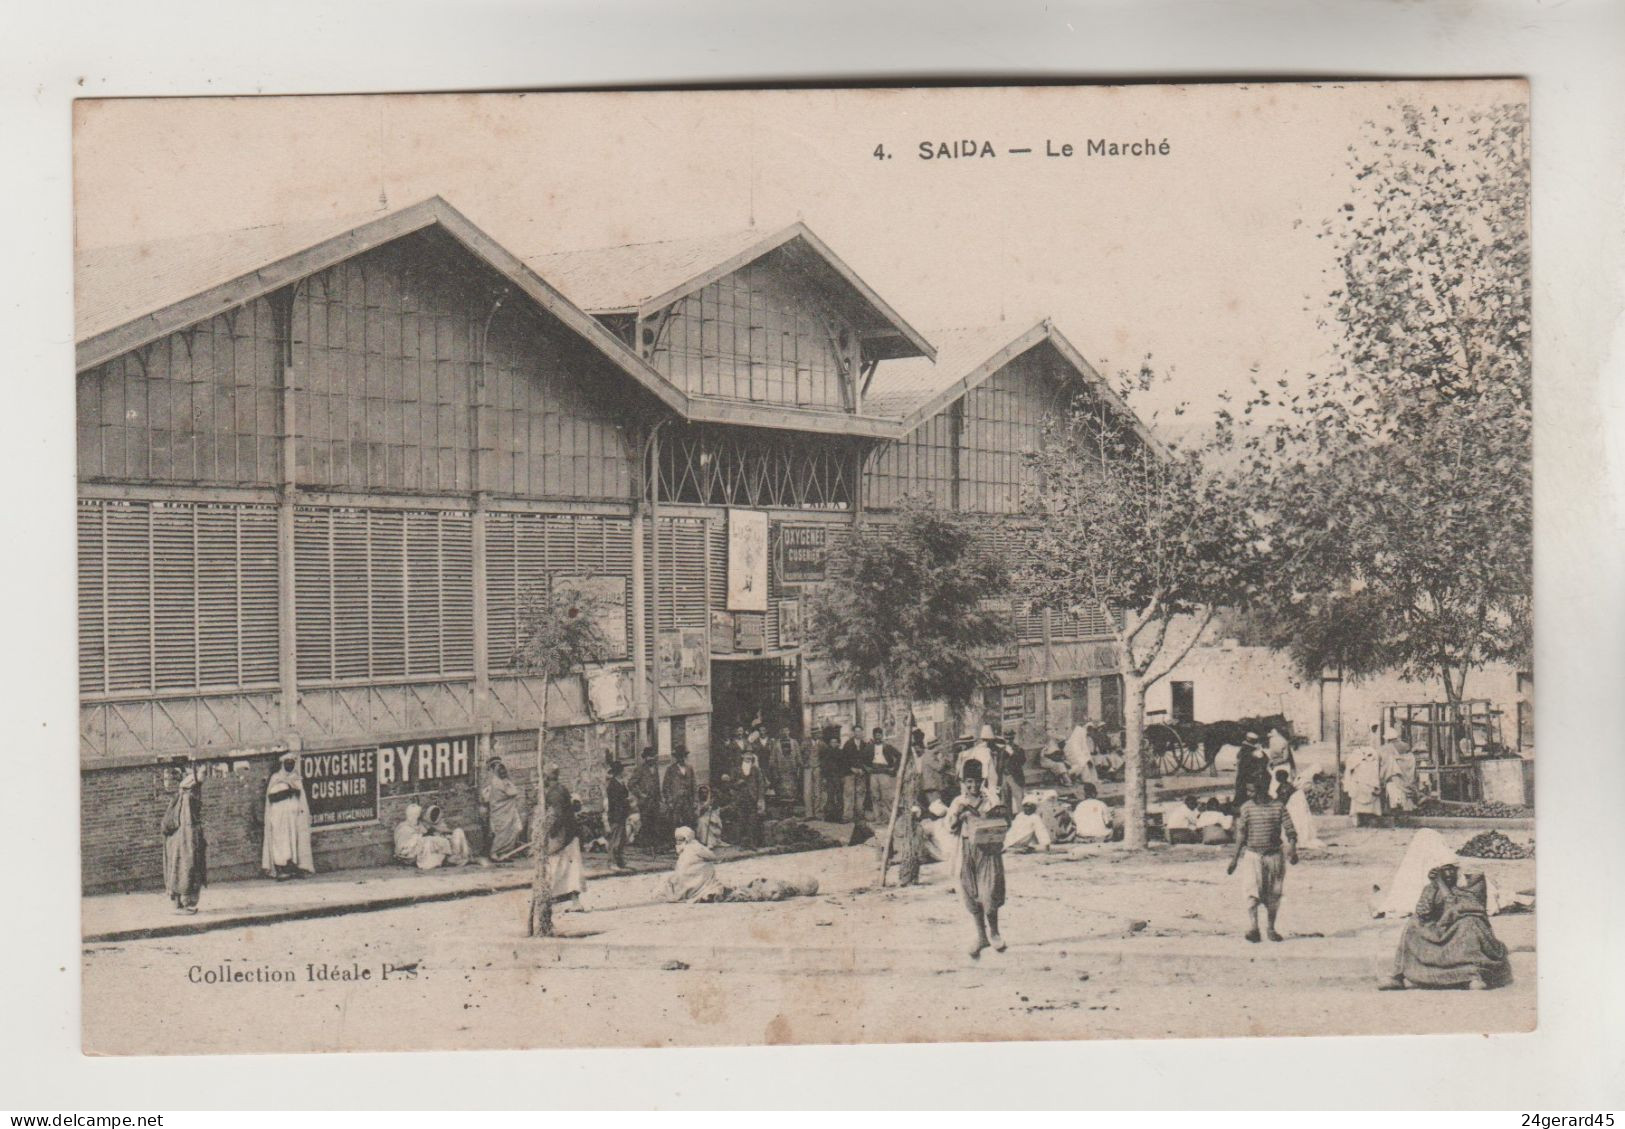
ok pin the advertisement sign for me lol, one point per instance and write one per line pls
(722, 632)
(341, 787)
(608, 594)
(750, 632)
(747, 561)
(683, 657)
(421, 766)
(789, 623)
(803, 554)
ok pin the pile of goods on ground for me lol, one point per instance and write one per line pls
(1483, 809)
(1321, 793)
(1494, 845)
(793, 833)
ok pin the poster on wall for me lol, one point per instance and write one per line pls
(341, 787)
(790, 623)
(750, 632)
(683, 657)
(609, 692)
(722, 632)
(695, 667)
(747, 561)
(608, 593)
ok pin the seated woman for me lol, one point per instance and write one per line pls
(1449, 941)
(694, 878)
(424, 840)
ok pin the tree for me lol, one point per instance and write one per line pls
(1400, 477)
(560, 633)
(1147, 532)
(907, 617)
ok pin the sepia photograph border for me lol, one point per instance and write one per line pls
(1571, 1060)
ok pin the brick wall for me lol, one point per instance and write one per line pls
(121, 808)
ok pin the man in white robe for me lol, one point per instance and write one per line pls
(1092, 819)
(1028, 832)
(285, 852)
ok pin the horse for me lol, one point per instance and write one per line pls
(1215, 735)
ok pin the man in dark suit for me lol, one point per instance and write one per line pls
(881, 760)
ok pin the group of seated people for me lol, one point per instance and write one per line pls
(425, 839)
(1211, 822)
(1044, 820)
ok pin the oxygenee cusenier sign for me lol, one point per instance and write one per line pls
(341, 787)
(803, 553)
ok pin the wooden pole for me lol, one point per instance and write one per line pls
(896, 802)
(540, 923)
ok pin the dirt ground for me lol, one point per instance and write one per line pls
(1106, 946)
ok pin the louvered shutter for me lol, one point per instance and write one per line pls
(176, 596)
(524, 551)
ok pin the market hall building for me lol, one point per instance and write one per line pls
(322, 467)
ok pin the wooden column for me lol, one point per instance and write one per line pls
(479, 472)
(287, 485)
(641, 703)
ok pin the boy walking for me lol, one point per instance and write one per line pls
(1263, 830)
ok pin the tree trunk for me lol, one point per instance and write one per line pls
(1337, 788)
(1133, 760)
(540, 920)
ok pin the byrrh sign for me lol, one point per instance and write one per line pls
(417, 766)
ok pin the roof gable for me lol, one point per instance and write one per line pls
(914, 390)
(644, 278)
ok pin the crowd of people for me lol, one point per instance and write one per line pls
(965, 804)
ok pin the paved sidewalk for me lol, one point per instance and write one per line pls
(263, 901)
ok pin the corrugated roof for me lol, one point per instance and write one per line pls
(169, 288)
(115, 285)
(613, 279)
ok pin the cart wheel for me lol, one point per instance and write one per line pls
(1166, 748)
(1192, 759)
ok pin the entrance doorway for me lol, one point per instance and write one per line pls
(745, 689)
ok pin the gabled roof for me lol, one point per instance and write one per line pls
(914, 390)
(644, 278)
(130, 296)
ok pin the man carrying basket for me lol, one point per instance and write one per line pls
(977, 819)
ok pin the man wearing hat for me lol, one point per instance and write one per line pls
(982, 752)
(980, 864)
(678, 791)
(617, 814)
(1252, 765)
(645, 788)
(285, 852)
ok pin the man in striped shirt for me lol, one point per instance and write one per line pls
(1262, 829)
